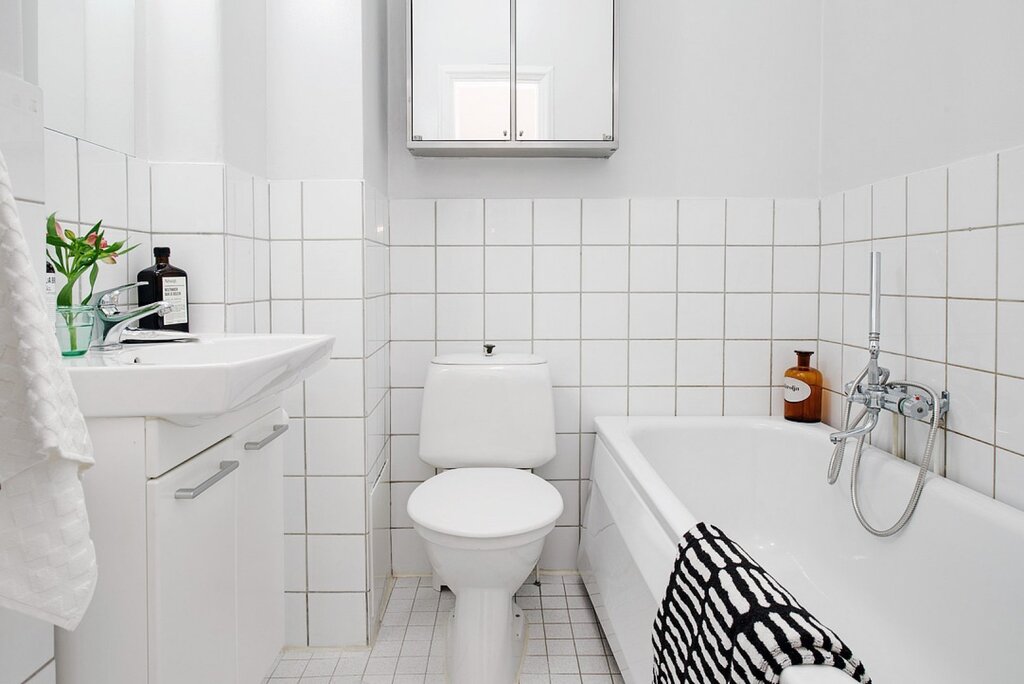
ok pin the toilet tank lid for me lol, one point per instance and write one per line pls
(493, 360)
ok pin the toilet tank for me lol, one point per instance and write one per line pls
(487, 411)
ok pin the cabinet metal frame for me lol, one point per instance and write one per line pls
(512, 147)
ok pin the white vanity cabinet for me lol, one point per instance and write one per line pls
(188, 528)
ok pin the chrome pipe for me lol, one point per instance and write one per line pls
(875, 306)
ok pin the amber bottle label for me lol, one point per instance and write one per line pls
(796, 390)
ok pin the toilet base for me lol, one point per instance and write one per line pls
(486, 639)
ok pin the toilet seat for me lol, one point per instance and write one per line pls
(485, 503)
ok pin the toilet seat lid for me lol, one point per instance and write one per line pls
(485, 503)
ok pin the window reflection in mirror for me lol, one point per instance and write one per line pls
(564, 72)
(461, 74)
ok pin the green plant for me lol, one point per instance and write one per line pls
(75, 255)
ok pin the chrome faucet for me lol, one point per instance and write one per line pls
(113, 322)
(873, 390)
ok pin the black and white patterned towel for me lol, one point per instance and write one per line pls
(725, 620)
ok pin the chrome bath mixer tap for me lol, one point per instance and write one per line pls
(873, 390)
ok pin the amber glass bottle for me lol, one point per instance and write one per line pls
(167, 283)
(802, 390)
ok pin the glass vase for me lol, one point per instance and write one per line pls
(74, 329)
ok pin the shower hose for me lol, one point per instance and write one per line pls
(835, 464)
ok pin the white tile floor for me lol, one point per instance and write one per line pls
(566, 645)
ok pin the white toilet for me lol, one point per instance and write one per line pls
(485, 418)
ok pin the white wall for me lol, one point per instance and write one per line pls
(314, 89)
(715, 99)
(11, 57)
(375, 94)
(916, 84)
(244, 55)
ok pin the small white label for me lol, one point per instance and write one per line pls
(176, 294)
(796, 390)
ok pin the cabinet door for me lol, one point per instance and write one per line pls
(565, 70)
(460, 57)
(192, 551)
(260, 449)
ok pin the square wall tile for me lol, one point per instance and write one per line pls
(334, 446)
(286, 270)
(652, 362)
(605, 269)
(459, 269)
(972, 333)
(699, 362)
(652, 269)
(563, 358)
(508, 316)
(295, 620)
(460, 316)
(556, 316)
(699, 401)
(239, 269)
(508, 221)
(926, 201)
(605, 221)
(412, 222)
(556, 269)
(702, 269)
(459, 222)
(832, 218)
(201, 184)
(61, 168)
(335, 505)
(1011, 186)
(971, 463)
(508, 269)
(652, 316)
(926, 265)
(1011, 332)
(605, 316)
(1009, 478)
(412, 269)
(337, 390)
(238, 202)
(652, 401)
(1011, 275)
(889, 208)
(747, 362)
(103, 185)
(749, 221)
(138, 195)
(1010, 413)
(702, 221)
(285, 210)
(700, 315)
(557, 221)
(412, 317)
(604, 362)
(972, 256)
(857, 214)
(832, 261)
(342, 318)
(261, 208)
(748, 269)
(600, 401)
(202, 257)
(747, 401)
(748, 316)
(973, 192)
(337, 619)
(794, 316)
(332, 209)
(337, 562)
(332, 269)
(974, 395)
(795, 269)
(797, 222)
(652, 221)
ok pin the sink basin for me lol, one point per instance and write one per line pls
(187, 382)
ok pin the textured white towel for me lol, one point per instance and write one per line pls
(47, 560)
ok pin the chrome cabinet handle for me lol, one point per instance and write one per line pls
(256, 446)
(193, 492)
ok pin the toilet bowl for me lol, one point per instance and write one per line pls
(484, 529)
(486, 420)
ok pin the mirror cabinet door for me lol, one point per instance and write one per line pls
(564, 69)
(461, 74)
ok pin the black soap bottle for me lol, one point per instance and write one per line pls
(166, 283)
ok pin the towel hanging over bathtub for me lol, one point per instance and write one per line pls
(47, 560)
(725, 620)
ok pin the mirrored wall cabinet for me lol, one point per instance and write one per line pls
(512, 78)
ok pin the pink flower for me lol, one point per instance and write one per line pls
(91, 241)
(112, 259)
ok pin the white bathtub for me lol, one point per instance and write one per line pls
(943, 601)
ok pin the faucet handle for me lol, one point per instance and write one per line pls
(108, 298)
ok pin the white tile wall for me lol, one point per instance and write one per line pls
(645, 306)
(328, 258)
(956, 311)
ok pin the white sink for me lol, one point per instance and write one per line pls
(188, 381)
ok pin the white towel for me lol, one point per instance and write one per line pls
(47, 560)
